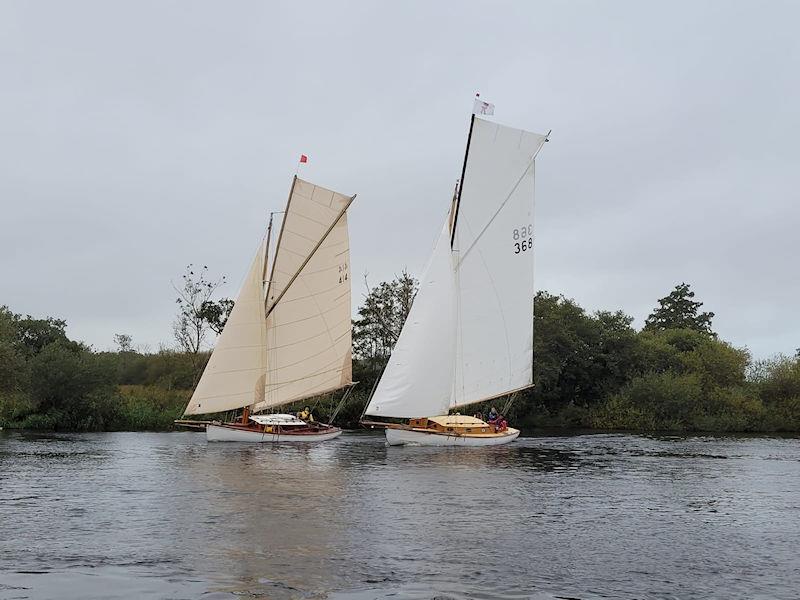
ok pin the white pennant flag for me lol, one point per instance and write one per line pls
(482, 108)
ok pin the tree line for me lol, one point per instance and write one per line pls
(591, 370)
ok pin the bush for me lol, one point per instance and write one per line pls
(656, 401)
(150, 407)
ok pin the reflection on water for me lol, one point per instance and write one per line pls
(129, 515)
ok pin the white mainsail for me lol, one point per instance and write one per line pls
(475, 339)
(234, 375)
(288, 338)
(494, 264)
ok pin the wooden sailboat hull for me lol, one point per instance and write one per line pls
(228, 433)
(400, 437)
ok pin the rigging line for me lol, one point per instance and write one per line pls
(313, 252)
(511, 399)
(372, 393)
(341, 403)
(502, 205)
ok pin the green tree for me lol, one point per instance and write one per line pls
(381, 317)
(34, 334)
(679, 310)
(124, 342)
(216, 313)
(197, 313)
(578, 358)
(13, 367)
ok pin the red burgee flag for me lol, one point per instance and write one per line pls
(303, 158)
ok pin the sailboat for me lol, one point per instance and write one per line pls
(469, 335)
(288, 337)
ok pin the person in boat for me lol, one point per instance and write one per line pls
(492, 415)
(305, 415)
(500, 424)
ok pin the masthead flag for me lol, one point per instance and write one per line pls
(303, 158)
(482, 108)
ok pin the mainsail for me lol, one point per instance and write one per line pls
(288, 338)
(475, 339)
(309, 323)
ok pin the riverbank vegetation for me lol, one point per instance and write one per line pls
(592, 370)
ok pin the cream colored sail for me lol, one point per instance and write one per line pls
(309, 330)
(234, 375)
(293, 340)
(493, 254)
(310, 212)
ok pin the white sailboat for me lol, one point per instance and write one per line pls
(469, 335)
(288, 336)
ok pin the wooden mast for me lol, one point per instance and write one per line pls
(280, 236)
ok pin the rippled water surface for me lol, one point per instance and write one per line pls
(166, 515)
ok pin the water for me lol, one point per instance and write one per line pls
(166, 515)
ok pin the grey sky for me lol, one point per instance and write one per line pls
(136, 137)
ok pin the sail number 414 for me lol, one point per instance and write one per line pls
(523, 239)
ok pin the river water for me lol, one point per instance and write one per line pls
(166, 515)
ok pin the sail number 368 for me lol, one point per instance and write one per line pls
(523, 239)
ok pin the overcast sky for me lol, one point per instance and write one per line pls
(137, 137)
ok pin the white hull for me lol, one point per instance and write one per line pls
(399, 437)
(218, 433)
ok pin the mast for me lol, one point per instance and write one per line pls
(266, 254)
(280, 236)
(461, 185)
